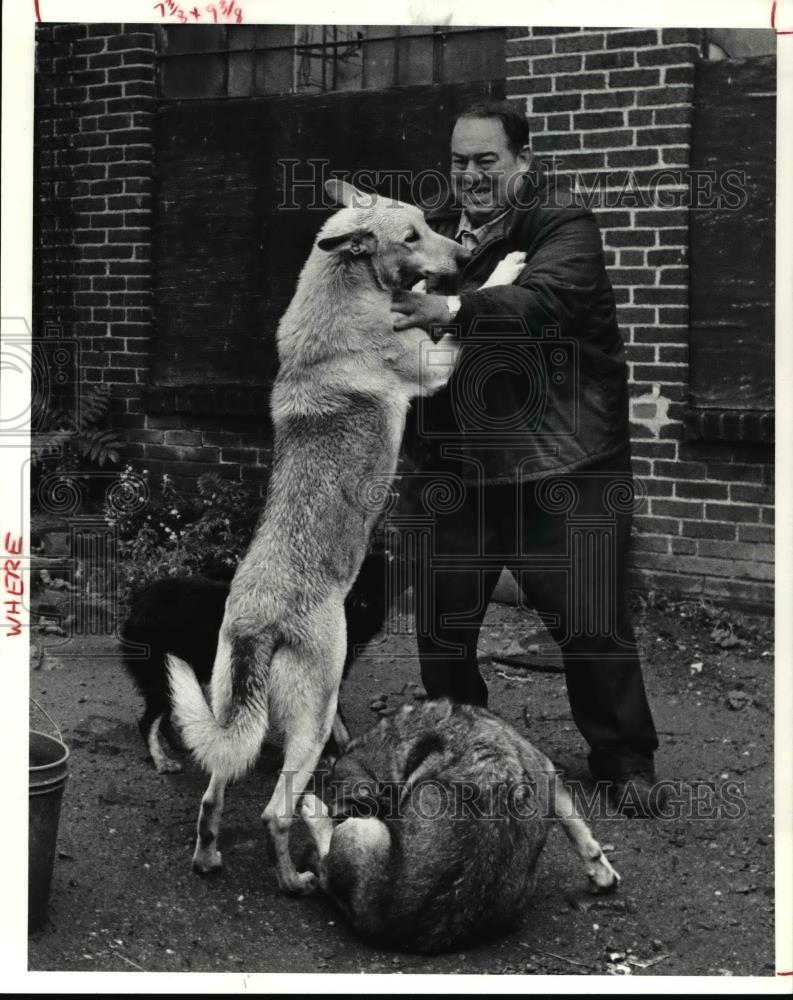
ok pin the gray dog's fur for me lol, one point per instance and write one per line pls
(444, 811)
(338, 405)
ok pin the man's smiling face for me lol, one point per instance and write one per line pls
(484, 168)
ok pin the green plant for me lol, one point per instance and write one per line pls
(69, 440)
(171, 534)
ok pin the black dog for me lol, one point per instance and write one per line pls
(182, 615)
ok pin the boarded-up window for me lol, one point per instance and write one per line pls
(227, 250)
(249, 61)
(732, 252)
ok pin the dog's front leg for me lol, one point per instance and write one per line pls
(602, 877)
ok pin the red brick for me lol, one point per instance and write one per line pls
(246, 456)
(679, 508)
(529, 47)
(707, 529)
(610, 99)
(650, 543)
(732, 472)
(556, 102)
(118, 375)
(754, 551)
(129, 359)
(659, 487)
(632, 238)
(631, 39)
(610, 60)
(705, 490)
(525, 85)
(581, 81)
(751, 493)
(679, 74)
(732, 512)
(672, 116)
(559, 141)
(663, 136)
(755, 533)
(579, 43)
(183, 437)
(673, 315)
(599, 119)
(165, 421)
(557, 64)
(660, 525)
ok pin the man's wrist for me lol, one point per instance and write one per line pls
(453, 305)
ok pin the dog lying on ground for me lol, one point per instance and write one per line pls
(182, 615)
(443, 813)
(338, 407)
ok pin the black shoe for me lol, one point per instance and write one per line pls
(638, 794)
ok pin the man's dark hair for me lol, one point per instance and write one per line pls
(512, 119)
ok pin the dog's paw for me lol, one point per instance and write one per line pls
(602, 877)
(167, 766)
(298, 883)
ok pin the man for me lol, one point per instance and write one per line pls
(533, 428)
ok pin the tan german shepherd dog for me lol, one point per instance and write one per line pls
(338, 406)
(439, 817)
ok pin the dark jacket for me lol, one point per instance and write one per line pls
(541, 383)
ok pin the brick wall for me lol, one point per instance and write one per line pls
(612, 106)
(95, 105)
(92, 268)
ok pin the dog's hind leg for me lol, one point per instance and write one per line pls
(303, 692)
(301, 756)
(601, 875)
(206, 857)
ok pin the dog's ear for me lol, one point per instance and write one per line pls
(349, 196)
(358, 242)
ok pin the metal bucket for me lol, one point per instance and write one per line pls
(47, 777)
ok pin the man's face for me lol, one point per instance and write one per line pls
(484, 168)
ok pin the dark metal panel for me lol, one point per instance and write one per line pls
(732, 248)
(226, 256)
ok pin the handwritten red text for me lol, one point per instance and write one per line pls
(217, 13)
(12, 582)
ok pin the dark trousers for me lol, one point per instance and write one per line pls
(565, 539)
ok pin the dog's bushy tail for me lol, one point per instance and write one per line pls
(230, 749)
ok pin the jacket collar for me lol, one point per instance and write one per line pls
(448, 215)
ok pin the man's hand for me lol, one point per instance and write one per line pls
(418, 309)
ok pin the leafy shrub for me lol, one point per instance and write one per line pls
(173, 535)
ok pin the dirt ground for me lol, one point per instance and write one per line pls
(697, 893)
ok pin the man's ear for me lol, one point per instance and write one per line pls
(349, 196)
(358, 242)
(525, 156)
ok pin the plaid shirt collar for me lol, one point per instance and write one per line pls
(471, 237)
